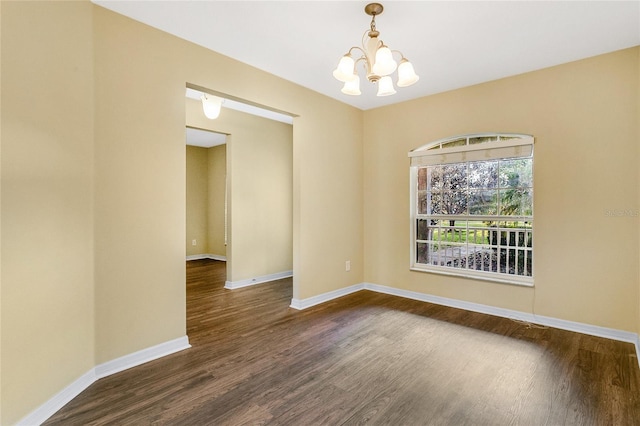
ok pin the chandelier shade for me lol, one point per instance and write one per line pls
(378, 61)
(344, 72)
(211, 106)
(384, 64)
(406, 75)
(385, 86)
(352, 87)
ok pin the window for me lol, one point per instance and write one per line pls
(472, 207)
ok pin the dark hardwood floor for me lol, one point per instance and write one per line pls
(366, 358)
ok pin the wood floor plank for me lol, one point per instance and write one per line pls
(366, 358)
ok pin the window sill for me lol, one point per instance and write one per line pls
(477, 275)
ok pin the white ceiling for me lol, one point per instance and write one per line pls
(204, 138)
(452, 44)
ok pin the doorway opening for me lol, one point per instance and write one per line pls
(206, 194)
(250, 227)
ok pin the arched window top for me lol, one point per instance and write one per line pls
(475, 139)
(478, 146)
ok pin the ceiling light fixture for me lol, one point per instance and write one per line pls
(211, 105)
(378, 59)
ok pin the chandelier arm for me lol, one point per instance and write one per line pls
(356, 48)
(401, 54)
(360, 59)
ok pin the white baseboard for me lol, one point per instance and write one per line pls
(232, 285)
(49, 408)
(145, 355)
(207, 256)
(325, 297)
(593, 330)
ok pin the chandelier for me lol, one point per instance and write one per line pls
(378, 60)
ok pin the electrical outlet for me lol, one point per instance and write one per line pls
(347, 265)
(193, 243)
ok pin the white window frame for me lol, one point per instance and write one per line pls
(505, 146)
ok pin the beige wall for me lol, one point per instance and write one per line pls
(584, 118)
(206, 186)
(197, 200)
(93, 189)
(140, 188)
(259, 169)
(217, 162)
(328, 200)
(0, 219)
(47, 192)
